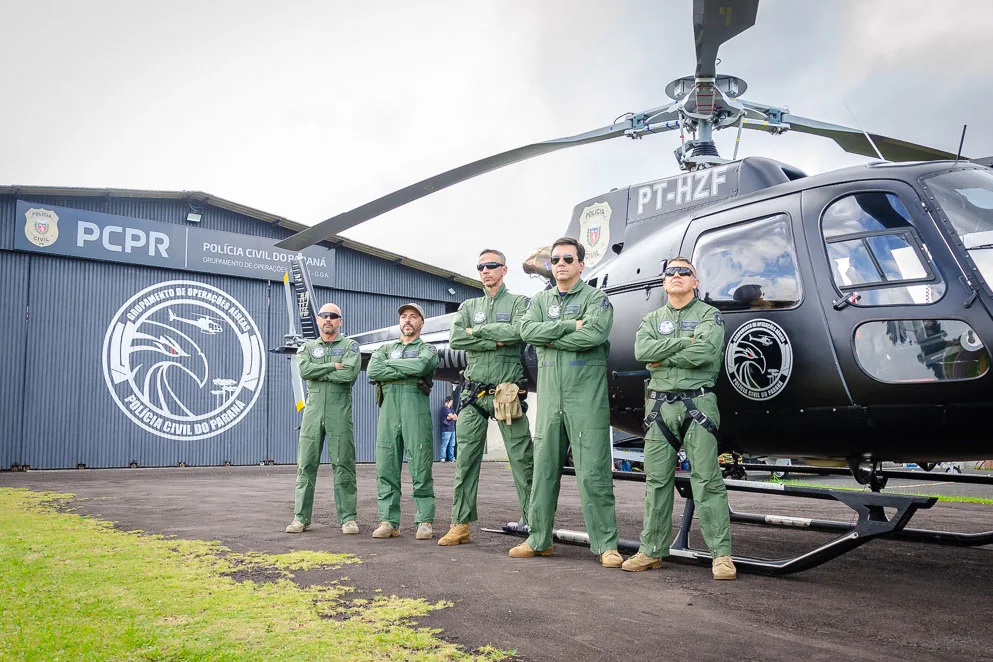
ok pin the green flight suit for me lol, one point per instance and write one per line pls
(572, 409)
(492, 320)
(688, 342)
(404, 426)
(328, 412)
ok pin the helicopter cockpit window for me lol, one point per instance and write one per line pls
(915, 351)
(874, 249)
(749, 266)
(966, 198)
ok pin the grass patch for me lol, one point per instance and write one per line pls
(74, 587)
(892, 490)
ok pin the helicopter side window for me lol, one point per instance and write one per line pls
(873, 248)
(916, 351)
(965, 197)
(749, 266)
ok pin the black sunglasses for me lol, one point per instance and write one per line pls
(333, 316)
(569, 259)
(681, 271)
(488, 265)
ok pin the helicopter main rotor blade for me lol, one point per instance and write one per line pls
(717, 21)
(854, 141)
(348, 219)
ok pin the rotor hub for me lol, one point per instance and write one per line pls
(731, 86)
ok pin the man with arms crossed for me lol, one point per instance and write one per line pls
(488, 328)
(330, 366)
(683, 344)
(405, 424)
(569, 326)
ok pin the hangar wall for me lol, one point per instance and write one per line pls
(64, 404)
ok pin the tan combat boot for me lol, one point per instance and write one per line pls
(723, 568)
(424, 531)
(641, 562)
(525, 551)
(611, 559)
(297, 527)
(385, 530)
(350, 527)
(458, 534)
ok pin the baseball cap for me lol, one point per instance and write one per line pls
(420, 311)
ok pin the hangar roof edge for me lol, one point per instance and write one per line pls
(201, 197)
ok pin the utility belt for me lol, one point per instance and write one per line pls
(476, 391)
(693, 413)
(424, 384)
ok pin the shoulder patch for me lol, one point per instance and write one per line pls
(605, 303)
(432, 349)
(302, 348)
(527, 302)
(354, 347)
(718, 319)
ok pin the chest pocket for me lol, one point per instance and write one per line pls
(410, 353)
(503, 317)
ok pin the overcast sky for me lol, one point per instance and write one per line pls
(308, 109)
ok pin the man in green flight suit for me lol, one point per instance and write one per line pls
(683, 344)
(569, 326)
(404, 369)
(488, 328)
(330, 366)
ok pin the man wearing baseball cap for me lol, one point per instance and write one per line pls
(403, 370)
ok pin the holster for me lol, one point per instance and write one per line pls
(379, 394)
(425, 384)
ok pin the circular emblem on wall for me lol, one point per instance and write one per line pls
(318, 352)
(553, 310)
(479, 317)
(41, 226)
(666, 327)
(184, 360)
(759, 359)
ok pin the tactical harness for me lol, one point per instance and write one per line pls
(478, 390)
(692, 414)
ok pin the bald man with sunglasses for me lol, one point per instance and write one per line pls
(682, 344)
(488, 328)
(330, 365)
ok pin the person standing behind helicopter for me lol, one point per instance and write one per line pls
(683, 344)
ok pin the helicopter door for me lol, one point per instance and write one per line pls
(895, 304)
(779, 371)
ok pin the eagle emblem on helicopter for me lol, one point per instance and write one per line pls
(759, 359)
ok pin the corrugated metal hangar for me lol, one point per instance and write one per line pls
(192, 285)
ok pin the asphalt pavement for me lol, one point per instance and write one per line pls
(886, 600)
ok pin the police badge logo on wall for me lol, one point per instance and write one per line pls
(759, 359)
(41, 226)
(184, 360)
(594, 231)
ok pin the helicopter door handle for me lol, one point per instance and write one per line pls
(847, 300)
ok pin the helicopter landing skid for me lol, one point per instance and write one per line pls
(873, 522)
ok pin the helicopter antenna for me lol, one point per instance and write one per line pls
(958, 154)
(867, 136)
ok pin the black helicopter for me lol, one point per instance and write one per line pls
(855, 300)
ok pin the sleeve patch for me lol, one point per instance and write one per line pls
(354, 347)
(605, 304)
(527, 303)
(301, 349)
(432, 349)
(718, 320)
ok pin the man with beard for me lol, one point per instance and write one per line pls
(330, 366)
(403, 370)
(683, 344)
(488, 328)
(569, 325)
